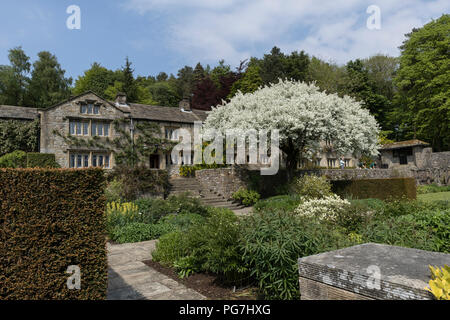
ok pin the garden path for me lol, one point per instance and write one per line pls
(130, 279)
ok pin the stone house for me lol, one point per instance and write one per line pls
(402, 154)
(88, 116)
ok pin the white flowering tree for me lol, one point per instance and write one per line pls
(304, 117)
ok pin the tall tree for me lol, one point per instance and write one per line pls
(48, 85)
(129, 86)
(14, 78)
(206, 94)
(423, 80)
(96, 79)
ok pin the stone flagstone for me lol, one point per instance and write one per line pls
(131, 279)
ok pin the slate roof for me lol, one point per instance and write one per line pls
(404, 144)
(169, 114)
(19, 113)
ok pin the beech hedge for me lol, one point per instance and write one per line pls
(51, 219)
(393, 188)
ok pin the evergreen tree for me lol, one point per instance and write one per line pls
(48, 85)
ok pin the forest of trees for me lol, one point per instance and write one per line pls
(408, 95)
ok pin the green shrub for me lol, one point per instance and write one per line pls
(170, 248)
(384, 189)
(137, 231)
(284, 202)
(15, 159)
(120, 214)
(432, 188)
(153, 209)
(52, 219)
(274, 240)
(311, 186)
(141, 181)
(183, 221)
(18, 135)
(208, 246)
(41, 160)
(246, 197)
(113, 191)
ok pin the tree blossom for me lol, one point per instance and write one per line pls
(304, 117)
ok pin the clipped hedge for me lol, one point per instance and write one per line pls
(52, 219)
(393, 188)
(140, 181)
(41, 160)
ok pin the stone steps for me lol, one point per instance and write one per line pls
(207, 197)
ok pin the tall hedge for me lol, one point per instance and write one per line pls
(393, 188)
(51, 219)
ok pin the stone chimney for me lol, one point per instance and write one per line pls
(185, 105)
(121, 98)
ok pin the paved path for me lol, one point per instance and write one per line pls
(130, 279)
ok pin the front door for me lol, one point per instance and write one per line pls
(154, 161)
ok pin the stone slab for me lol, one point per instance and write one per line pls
(374, 270)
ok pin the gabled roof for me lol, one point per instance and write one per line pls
(80, 95)
(168, 114)
(404, 144)
(19, 113)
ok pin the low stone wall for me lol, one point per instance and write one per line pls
(223, 181)
(439, 176)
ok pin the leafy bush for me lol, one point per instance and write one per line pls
(432, 188)
(327, 208)
(137, 231)
(21, 159)
(246, 197)
(18, 135)
(272, 243)
(141, 181)
(170, 248)
(183, 221)
(440, 282)
(15, 159)
(310, 186)
(208, 246)
(41, 160)
(189, 170)
(119, 214)
(283, 202)
(113, 191)
(153, 209)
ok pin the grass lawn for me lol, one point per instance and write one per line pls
(434, 196)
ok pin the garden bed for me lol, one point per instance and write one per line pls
(206, 284)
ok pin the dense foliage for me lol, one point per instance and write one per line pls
(18, 135)
(246, 197)
(52, 219)
(21, 159)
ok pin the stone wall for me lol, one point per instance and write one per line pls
(223, 181)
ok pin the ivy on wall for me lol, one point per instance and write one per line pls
(18, 135)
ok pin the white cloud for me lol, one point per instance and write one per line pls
(211, 30)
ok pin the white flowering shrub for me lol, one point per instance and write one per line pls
(310, 186)
(327, 208)
(304, 117)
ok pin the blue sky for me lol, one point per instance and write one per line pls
(165, 35)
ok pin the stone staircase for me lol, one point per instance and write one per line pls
(180, 185)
